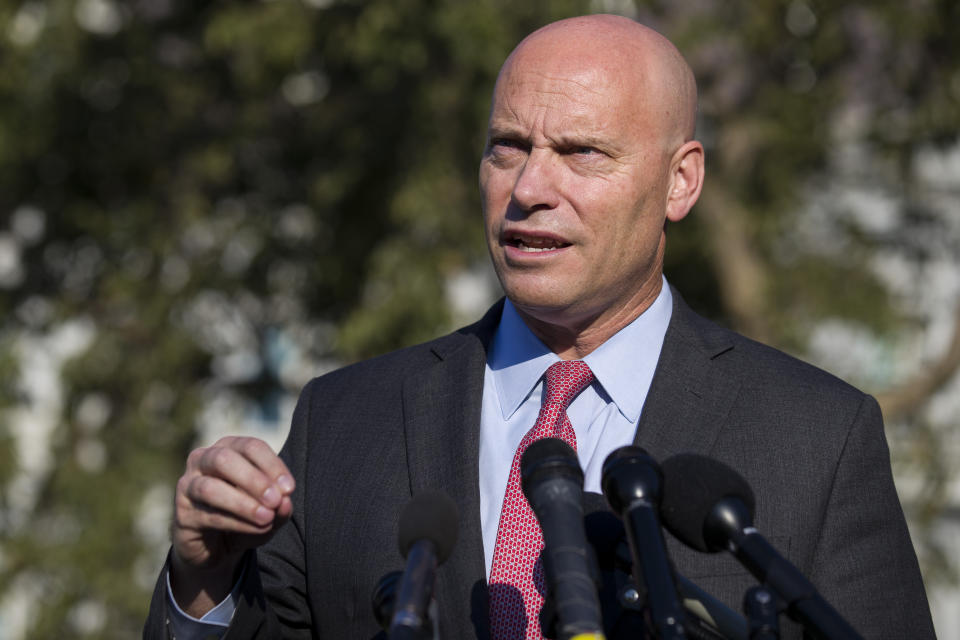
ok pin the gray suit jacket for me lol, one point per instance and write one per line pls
(367, 437)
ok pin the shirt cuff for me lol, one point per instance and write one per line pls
(212, 625)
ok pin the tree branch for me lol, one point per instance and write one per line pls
(907, 398)
(739, 268)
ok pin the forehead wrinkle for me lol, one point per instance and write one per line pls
(546, 117)
(559, 117)
(585, 79)
(555, 92)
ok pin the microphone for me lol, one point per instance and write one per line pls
(706, 614)
(709, 506)
(631, 481)
(552, 482)
(384, 597)
(426, 534)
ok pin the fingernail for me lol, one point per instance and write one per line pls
(271, 496)
(285, 482)
(262, 514)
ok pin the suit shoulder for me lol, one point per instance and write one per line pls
(388, 370)
(761, 366)
(770, 365)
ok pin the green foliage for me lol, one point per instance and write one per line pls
(205, 179)
(185, 182)
(783, 86)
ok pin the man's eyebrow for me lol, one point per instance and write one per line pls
(601, 143)
(564, 140)
(509, 131)
(505, 131)
(578, 140)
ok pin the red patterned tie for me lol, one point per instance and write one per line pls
(516, 578)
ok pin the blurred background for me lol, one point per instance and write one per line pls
(203, 205)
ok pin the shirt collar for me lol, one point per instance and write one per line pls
(623, 365)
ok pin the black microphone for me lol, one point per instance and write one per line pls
(427, 532)
(631, 481)
(709, 506)
(552, 482)
(707, 616)
(384, 597)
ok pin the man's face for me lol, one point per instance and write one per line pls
(574, 182)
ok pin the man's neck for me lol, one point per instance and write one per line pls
(574, 339)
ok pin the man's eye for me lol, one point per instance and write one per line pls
(506, 143)
(583, 150)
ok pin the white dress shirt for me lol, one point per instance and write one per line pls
(604, 415)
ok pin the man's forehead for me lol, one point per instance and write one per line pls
(566, 79)
(583, 94)
(632, 69)
(590, 66)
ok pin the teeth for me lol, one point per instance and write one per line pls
(536, 245)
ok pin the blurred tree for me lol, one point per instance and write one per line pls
(192, 193)
(830, 205)
(206, 204)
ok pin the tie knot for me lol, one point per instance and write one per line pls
(564, 380)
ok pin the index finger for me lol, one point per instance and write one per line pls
(262, 456)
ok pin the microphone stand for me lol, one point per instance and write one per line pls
(413, 597)
(632, 483)
(763, 614)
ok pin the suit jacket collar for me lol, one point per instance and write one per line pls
(692, 390)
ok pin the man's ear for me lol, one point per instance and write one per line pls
(686, 180)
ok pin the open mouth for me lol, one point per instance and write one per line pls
(534, 244)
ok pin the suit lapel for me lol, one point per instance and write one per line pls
(692, 389)
(441, 409)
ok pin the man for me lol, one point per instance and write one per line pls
(589, 153)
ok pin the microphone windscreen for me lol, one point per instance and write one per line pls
(430, 515)
(549, 457)
(692, 486)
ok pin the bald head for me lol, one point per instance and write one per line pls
(648, 70)
(589, 153)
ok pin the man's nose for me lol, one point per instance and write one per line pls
(536, 185)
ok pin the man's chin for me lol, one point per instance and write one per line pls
(543, 306)
(543, 296)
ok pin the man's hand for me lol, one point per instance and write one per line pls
(232, 497)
